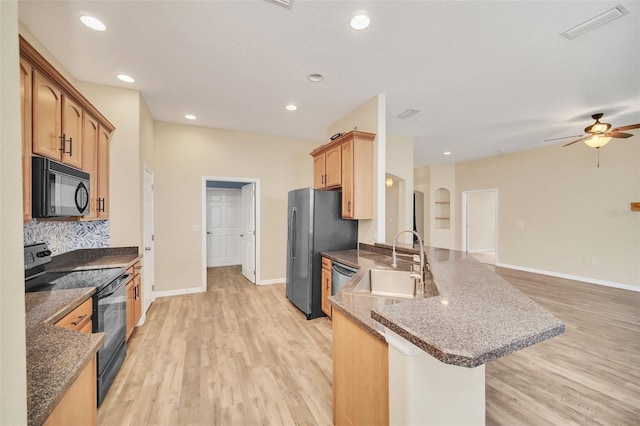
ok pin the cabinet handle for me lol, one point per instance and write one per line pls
(79, 320)
(322, 179)
(70, 147)
(349, 206)
(63, 144)
(101, 204)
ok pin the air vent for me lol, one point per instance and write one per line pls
(284, 3)
(408, 113)
(595, 22)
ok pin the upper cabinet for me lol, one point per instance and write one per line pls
(347, 163)
(61, 124)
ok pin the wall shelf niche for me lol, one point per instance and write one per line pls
(442, 208)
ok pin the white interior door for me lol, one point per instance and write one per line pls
(224, 219)
(148, 294)
(249, 232)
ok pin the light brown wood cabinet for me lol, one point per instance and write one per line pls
(78, 405)
(360, 375)
(327, 169)
(326, 285)
(79, 318)
(352, 153)
(134, 298)
(52, 108)
(26, 86)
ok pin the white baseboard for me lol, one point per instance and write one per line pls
(274, 281)
(571, 277)
(179, 292)
(481, 250)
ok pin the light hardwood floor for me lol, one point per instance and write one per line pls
(243, 355)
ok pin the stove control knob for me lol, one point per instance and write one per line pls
(43, 253)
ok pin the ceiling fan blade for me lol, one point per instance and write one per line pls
(584, 138)
(564, 137)
(618, 135)
(629, 127)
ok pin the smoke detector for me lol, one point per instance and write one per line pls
(284, 3)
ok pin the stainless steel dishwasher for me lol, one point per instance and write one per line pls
(340, 275)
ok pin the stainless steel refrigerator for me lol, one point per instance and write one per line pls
(315, 224)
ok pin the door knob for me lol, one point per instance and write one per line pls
(147, 249)
(209, 232)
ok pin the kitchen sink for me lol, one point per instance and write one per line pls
(392, 283)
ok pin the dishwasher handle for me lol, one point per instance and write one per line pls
(343, 269)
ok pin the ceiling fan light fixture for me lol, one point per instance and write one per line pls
(597, 141)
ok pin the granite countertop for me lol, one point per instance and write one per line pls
(55, 355)
(83, 259)
(476, 317)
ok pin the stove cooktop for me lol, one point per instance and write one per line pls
(98, 278)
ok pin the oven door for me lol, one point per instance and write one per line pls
(111, 320)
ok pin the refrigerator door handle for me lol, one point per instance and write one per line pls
(293, 234)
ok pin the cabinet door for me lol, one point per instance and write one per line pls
(47, 108)
(72, 131)
(333, 168)
(90, 162)
(130, 302)
(318, 171)
(25, 113)
(78, 405)
(137, 305)
(347, 180)
(103, 173)
(326, 287)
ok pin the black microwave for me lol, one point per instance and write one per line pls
(58, 190)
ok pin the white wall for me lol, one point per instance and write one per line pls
(393, 222)
(370, 117)
(183, 155)
(422, 183)
(482, 220)
(559, 213)
(13, 378)
(399, 163)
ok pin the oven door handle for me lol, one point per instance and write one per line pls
(115, 287)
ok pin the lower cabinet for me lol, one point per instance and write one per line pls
(78, 405)
(326, 285)
(360, 375)
(134, 298)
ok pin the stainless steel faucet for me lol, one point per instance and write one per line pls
(419, 277)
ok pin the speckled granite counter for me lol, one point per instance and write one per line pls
(477, 316)
(108, 257)
(55, 355)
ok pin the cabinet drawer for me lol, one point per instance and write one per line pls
(78, 318)
(326, 263)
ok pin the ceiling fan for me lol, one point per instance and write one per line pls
(598, 134)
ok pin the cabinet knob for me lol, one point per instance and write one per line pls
(147, 249)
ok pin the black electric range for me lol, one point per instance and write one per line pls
(109, 306)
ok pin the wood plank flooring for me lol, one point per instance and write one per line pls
(244, 355)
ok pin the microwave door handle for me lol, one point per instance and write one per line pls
(81, 197)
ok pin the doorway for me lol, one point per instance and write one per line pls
(148, 292)
(480, 224)
(230, 225)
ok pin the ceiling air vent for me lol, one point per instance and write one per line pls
(284, 3)
(595, 22)
(408, 113)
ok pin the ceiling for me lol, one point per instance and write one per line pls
(488, 77)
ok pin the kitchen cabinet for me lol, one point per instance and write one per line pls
(352, 154)
(326, 285)
(327, 169)
(357, 175)
(78, 405)
(134, 298)
(96, 163)
(53, 108)
(26, 83)
(360, 375)
(79, 319)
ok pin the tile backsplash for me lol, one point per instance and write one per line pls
(62, 237)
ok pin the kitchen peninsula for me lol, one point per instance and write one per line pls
(476, 317)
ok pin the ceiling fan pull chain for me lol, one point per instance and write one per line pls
(598, 149)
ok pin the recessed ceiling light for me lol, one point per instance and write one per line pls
(291, 107)
(446, 153)
(190, 117)
(93, 23)
(315, 77)
(126, 78)
(360, 22)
